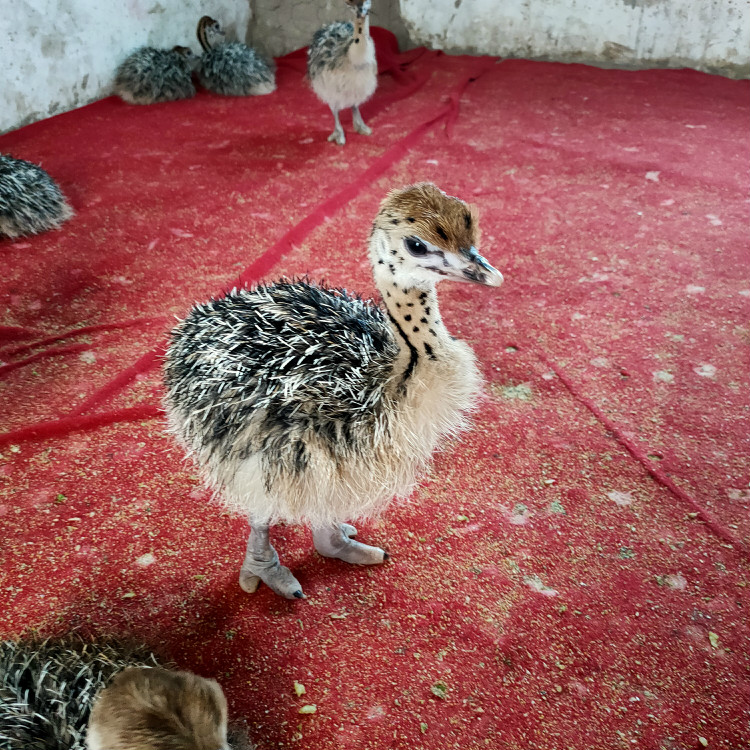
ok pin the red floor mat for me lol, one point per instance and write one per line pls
(573, 572)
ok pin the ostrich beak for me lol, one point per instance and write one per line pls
(475, 269)
(362, 9)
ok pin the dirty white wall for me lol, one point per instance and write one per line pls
(60, 54)
(280, 26)
(710, 35)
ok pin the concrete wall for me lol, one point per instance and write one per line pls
(280, 26)
(60, 54)
(710, 35)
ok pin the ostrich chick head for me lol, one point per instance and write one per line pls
(210, 33)
(360, 7)
(191, 59)
(422, 236)
(159, 709)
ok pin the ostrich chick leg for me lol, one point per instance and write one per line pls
(359, 123)
(338, 132)
(335, 541)
(262, 564)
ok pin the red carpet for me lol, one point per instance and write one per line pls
(574, 572)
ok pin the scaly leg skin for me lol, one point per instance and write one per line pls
(348, 530)
(335, 541)
(262, 564)
(338, 132)
(359, 123)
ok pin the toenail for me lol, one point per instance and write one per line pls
(299, 595)
(386, 556)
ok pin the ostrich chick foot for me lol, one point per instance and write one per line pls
(336, 542)
(359, 123)
(338, 136)
(278, 578)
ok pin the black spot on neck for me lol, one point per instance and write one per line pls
(407, 318)
(467, 220)
(413, 353)
(410, 219)
(428, 351)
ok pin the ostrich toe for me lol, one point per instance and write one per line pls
(278, 578)
(338, 137)
(336, 542)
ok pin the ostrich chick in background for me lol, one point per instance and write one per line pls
(341, 68)
(150, 75)
(30, 200)
(309, 405)
(232, 68)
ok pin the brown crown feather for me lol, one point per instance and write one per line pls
(427, 212)
(158, 709)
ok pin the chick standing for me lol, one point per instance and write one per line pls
(309, 405)
(150, 75)
(232, 68)
(342, 69)
(30, 200)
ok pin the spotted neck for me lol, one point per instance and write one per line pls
(412, 312)
(360, 40)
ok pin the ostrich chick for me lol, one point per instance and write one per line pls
(150, 75)
(72, 694)
(309, 405)
(232, 68)
(30, 200)
(342, 69)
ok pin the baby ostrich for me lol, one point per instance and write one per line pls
(342, 69)
(232, 68)
(71, 694)
(30, 200)
(153, 75)
(309, 405)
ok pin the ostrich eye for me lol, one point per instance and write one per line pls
(415, 246)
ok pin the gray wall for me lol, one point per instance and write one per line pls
(280, 26)
(60, 54)
(57, 55)
(710, 35)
